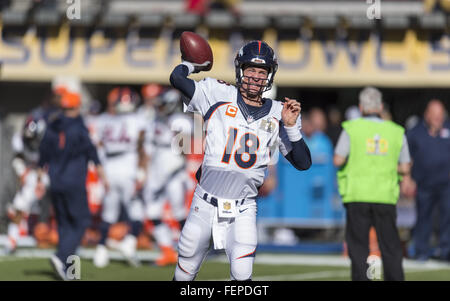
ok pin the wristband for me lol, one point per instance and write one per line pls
(189, 65)
(293, 133)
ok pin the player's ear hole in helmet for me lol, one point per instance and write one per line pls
(257, 54)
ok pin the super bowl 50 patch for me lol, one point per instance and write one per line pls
(267, 125)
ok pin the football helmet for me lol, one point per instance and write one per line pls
(168, 102)
(257, 54)
(32, 132)
(151, 91)
(123, 99)
(70, 100)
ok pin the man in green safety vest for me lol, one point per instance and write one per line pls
(373, 156)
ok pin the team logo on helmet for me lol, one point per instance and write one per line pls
(258, 61)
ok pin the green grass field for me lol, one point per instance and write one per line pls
(268, 267)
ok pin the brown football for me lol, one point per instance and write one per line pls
(195, 49)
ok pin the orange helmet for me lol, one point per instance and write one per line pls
(70, 100)
(60, 90)
(151, 90)
(124, 99)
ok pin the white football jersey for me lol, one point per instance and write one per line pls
(238, 145)
(165, 157)
(31, 157)
(118, 136)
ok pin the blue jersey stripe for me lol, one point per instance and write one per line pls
(212, 109)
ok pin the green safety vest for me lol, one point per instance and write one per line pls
(370, 174)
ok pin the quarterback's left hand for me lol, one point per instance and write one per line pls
(291, 111)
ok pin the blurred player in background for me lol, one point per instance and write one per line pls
(242, 131)
(150, 95)
(121, 134)
(32, 188)
(65, 151)
(167, 175)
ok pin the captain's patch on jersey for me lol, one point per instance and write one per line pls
(267, 125)
(231, 111)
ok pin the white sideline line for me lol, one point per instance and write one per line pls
(296, 277)
(304, 276)
(335, 261)
(307, 276)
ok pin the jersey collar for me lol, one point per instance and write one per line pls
(255, 114)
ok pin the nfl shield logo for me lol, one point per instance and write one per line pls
(227, 206)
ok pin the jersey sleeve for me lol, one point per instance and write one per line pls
(207, 92)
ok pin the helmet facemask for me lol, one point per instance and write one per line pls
(265, 84)
(255, 54)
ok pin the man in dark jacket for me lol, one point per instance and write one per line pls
(66, 150)
(429, 142)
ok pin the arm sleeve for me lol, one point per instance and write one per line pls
(44, 152)
(179, 80)
(299, 156)
(92, 153)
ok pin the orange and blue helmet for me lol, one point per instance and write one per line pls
(257, 54)
(123, 99)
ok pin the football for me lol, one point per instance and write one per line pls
(195, 49)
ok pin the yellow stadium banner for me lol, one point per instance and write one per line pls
(410, 61)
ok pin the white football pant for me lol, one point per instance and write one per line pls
(240, 240)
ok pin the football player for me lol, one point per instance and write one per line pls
(120, 133)
(150, 95)
(167, 178)
(243, 130)
(32, 186)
